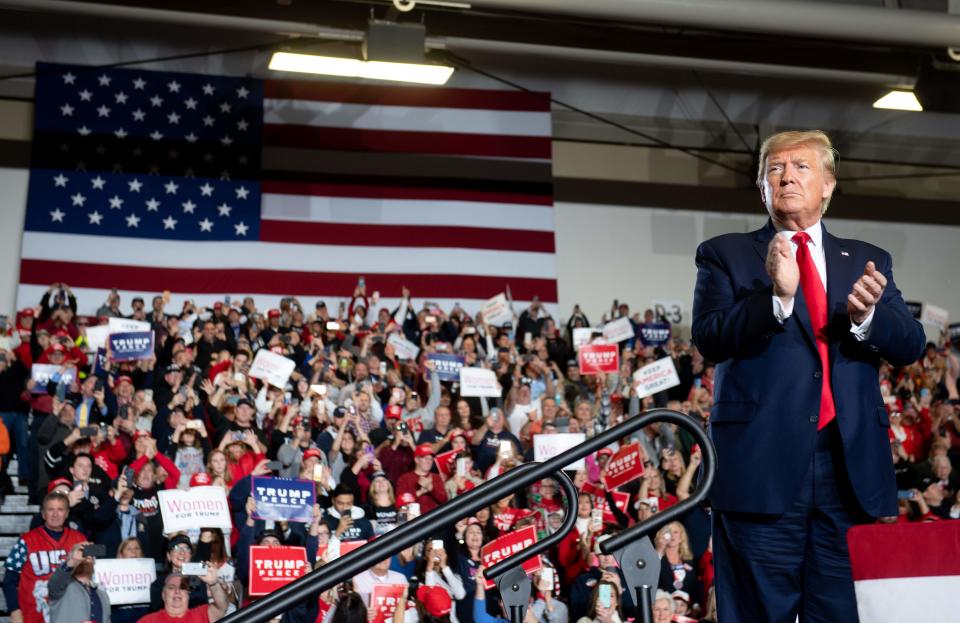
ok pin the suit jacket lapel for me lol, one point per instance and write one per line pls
(841, 273)
(761, 242)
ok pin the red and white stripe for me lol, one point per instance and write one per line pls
(906, 572)
(317, 238)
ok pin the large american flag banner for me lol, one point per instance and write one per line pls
(906, 571)
(208, 186)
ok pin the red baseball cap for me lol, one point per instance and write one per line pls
(394, 412)
(273, 313)
(137, 434)
(56, 482)
(200, 479)
(312, 453)
(604, 452)
(123, 379)
(436, 600)
(423, 449)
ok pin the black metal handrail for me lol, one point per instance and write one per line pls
(421, 528)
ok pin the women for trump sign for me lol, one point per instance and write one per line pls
(199, 507)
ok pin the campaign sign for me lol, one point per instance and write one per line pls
(44, 373)
(479, 382)
(131, 346)
(97, 336)
(127, 325)
(274, 566)
(592, 489)
(446, 463)
(548, 445)
(337, 548)
(496, 312)
(447, 366)
(404, 348)
(198, 507)
(583, 335)
(620, 498)
(654, 333)
(618, 330)
(656, 377)
(624, 466)
(100, 362)
(126, 580)
(505, 546)
(283, 499)
(936, 316)
(270, 367)
(383, 602)
(597, 358)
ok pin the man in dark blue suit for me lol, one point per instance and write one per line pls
(798, 322)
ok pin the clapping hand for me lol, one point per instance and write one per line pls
(866, 293)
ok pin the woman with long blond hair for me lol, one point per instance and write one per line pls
(677, 570)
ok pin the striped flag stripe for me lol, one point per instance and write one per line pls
(339, 233)
(364, 210)
(373, 95)
(452, 143)
(404, 118)
(174, 254)
(279, 282)
(904, 550)
(399, 192)
(533, 176)
(397, 187)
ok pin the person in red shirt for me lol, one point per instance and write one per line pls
(34, 558)
(426, 486)
(176, 597)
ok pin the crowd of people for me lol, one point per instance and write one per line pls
(97, 441)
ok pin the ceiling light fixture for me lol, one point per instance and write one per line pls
(391, 51)
(355, 68)
(899, 100)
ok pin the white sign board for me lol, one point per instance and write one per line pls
(43, 373)
(618, 330)
(547, 446)
(656, 377)
(478, 382)
(404, 348)
(583, 335)
(496, 311)
(936, 316)
(125, 325)
(97, 337)
(272, 368)
(126, 580)
(199, 507)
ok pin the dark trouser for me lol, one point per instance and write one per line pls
(772, 568)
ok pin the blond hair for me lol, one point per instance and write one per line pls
(817, 139)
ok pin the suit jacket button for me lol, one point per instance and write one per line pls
(817, 374)
(814, 418)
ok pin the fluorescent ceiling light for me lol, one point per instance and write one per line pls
(899, 100)
(353, 68)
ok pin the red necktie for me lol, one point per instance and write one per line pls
(816, 297)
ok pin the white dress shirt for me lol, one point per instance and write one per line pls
(818, 255)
